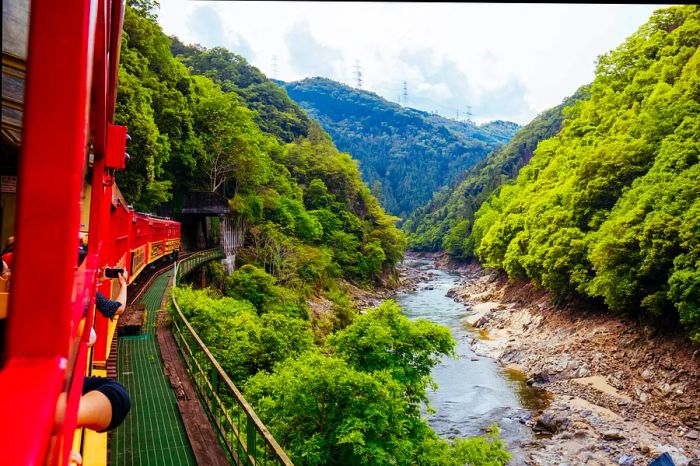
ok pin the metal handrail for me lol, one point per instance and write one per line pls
(244, 436)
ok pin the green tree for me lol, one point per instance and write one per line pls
(384, 339)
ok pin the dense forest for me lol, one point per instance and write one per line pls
(609, 208)
(405, 154)
(205, 120)
(445, 223)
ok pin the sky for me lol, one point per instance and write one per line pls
(482, 61)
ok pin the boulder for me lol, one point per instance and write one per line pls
(613, 435)
(552, 422)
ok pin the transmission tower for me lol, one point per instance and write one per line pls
(358, 74)
(274, 66)
(405, 93)
(469, 112)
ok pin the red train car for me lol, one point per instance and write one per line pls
(60, 67)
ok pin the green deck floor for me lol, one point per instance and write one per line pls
(152, 434)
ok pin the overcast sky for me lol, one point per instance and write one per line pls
(503, 61)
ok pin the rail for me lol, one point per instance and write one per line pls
(245, 438)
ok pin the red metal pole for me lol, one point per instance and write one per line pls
(41, 328)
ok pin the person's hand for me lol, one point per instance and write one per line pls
(123, 277)
(102, 277)
(75, 458)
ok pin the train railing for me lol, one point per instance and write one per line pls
(246, 439)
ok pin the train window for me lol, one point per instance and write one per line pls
(14, 52)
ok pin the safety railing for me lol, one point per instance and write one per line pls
(193, 261)
(246, 439)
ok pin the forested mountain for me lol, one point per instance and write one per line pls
(446, 221)
(610, 207)
(405, 154)
(296, 198)
(275, 113)
(209, 121)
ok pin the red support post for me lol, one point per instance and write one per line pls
(43, 334)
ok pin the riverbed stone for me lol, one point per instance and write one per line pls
(613, 435)
(625, 460)
(552, 422)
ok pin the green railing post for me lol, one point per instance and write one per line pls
(223, 402)
(250, 439)
(214, 379)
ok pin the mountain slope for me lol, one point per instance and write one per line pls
(446, 221)
(410, 153)
(610, 207)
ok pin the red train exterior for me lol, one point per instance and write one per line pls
(69, 78)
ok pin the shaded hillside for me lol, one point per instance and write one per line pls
(405, 154)
(446, 221)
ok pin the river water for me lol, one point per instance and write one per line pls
(473, 391)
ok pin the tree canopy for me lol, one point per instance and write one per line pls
(446, 221)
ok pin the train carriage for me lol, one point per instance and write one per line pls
(140, 239)
(60, 152)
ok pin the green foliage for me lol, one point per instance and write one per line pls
(215, 274)
(609, 207)
(275, 113)
(155, 101)
(324, 412)
(243, 342)
(384, 339)
(233, 149)
(252, 284)
(404, 154)
(256, 286)
(477, 451)
(446, 221)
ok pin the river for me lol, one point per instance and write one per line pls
(473, 391)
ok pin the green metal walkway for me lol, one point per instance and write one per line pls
(153, 433)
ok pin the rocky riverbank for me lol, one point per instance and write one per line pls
(621, 394)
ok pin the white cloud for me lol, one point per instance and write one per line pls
(506, 61)
(307, 55)
(205, 24)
